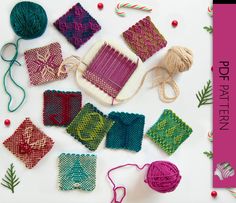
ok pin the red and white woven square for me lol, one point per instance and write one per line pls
(43, 64)
(29, 144)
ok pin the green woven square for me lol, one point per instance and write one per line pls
(127, 132)
(169, 132)
(77, 171)
(90, 126)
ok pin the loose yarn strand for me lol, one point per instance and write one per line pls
(115, 188)
(9, 72)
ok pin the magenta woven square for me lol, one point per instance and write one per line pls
(60, 108)
(43, 64)
(110, 70)
(144, 38)
(77, 25)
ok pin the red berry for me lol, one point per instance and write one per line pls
(7, 122)
(174, 23)
(214, 194)
(100, 6)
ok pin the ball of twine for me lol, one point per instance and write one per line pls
(163, 176)
(28, 20)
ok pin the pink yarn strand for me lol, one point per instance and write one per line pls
(114, 200)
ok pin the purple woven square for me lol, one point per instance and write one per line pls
(110, 70)
(77, 25)
(144, 38)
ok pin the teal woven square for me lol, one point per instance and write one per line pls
(77, 171)
(127, 132)
(90, 126)
(169, 132)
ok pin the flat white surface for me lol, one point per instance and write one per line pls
(40, 184)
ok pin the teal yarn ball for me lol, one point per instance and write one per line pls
(28, 20)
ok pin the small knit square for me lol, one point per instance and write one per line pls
(110, 70)
(77, 171)
(60, 108)
(90, 126)
(169, 132)
(29, 144)
(127, 132)
(43, 64)
(77, 25)
(144, 38)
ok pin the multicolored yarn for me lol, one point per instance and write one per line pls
(29, 143)
(60, 108)
(90, 126)
(169, 132)
(77, 25)
(127, 132)
(224, 170)
(110, 70)
(144, 38)
(77, 171)
(43, 64)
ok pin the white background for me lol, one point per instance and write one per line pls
(40, 183)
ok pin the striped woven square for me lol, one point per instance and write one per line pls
(77, 171)
(127, 132)
(29, 144)
(144, 38)
(77, 25)
(110, 70)
(90, 126)
(43, 64)
(169, 132)
(60, 108)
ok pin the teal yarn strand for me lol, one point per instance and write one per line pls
(28, 20)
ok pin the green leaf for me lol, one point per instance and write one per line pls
(204, 96)
(10, 180)
(209, 154)
(208, 29)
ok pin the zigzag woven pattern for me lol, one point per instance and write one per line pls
(127, 132)
(90, 126)
(29, 143)
(77, 25)
(169, 132)
(60, 108)
(144, 38)
(77, 171)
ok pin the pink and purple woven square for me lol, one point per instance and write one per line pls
(110, 70)
(43, 64)
(144, 38)
(77, 25)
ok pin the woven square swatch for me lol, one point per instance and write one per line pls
(77, 171)
(127, 132)
(144, 38)
(60, 108)
(169, 132)
(29, 144)
(90, 126)
(110, 70)
(43, 64)
(77, 25)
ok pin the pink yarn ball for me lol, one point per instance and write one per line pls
(163, 176)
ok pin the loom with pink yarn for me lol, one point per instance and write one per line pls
(162, 176)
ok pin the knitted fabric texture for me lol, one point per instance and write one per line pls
(77, 172)
(144, 38)
(77, 25)
(110, 70)
(29, 144)
(90, 126)
(43, 64)
(60, 108)
(169, 132)
(127, 132)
